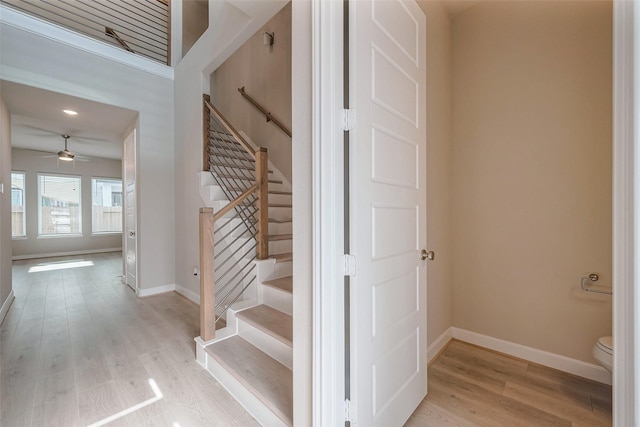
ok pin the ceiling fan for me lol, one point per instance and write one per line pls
(65, 154)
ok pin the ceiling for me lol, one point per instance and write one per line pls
(37, 122)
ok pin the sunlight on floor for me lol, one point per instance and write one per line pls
(60, 265)
(158, 396)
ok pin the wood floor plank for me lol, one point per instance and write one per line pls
(99, 402)
(469, 385)
(55, 401)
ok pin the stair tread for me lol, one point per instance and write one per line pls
(275, 237)
(280, 205)
(280, 220)
(269, 380)
(282, 257)
(273, 322)
(283, 193)
(282, 283)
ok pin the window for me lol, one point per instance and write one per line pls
(59, 205)
(18, 219)
(107, 205)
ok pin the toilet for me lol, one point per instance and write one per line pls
(603, 352)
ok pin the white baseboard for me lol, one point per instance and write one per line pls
(70, 253)
(6, 305)
(188, 294)
(541, 357)
(436, 347)
(157, 290)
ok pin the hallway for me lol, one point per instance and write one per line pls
(77, 347)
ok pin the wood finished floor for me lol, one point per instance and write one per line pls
(77, 346)
(471, 386)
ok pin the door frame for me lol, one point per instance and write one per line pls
(328, 349)
(626, 213)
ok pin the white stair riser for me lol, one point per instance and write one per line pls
(265, 342)
(277, 298)
(282, 269)
(280, 228)
(280, 247)
(279, 198)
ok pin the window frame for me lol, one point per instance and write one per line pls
(103, 178)
(41, 235)
(24, 205)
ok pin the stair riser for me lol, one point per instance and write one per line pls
(265, 342)
(277, 298)
(280, 228)
(279, 198)
(282, 269)
(280, 246)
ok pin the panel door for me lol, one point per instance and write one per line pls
(130, 225)
(388, 210)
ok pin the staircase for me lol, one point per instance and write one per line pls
(252, 356)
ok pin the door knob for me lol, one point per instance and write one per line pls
(427, 255)
(132, 233)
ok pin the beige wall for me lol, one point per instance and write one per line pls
(266, 75)
(531, 162)
(31, 162)
(438, 167)
(195, 21)
(5, 203)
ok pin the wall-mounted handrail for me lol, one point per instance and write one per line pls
(264, 111)
(112, 33)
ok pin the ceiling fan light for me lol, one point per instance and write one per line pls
(65, 155)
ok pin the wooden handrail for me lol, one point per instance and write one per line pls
(230, 129)
(264, 111)
(206, 127)
(235, 202)
(112, 33)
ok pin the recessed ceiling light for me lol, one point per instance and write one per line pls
(70, 112)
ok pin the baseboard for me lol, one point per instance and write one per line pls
(157, 290)
(6, 305)
(438, 345)
(70, 253)
(188, 294)
(541, 357)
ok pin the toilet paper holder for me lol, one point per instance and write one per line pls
(593, 277)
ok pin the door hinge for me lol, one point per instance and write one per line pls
(348, 411)
(349, 265)
(348, 119)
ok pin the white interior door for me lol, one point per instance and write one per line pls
(388, 210)
(130, 206)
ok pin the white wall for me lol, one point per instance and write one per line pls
(32, 163)
(532, 150)
(38, 60)
(5, 206)
(266, 75)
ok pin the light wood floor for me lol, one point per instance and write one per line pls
(77, 346)
(471, 386)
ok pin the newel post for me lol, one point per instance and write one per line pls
(207, 287)
(206, 123)
(262, 179)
